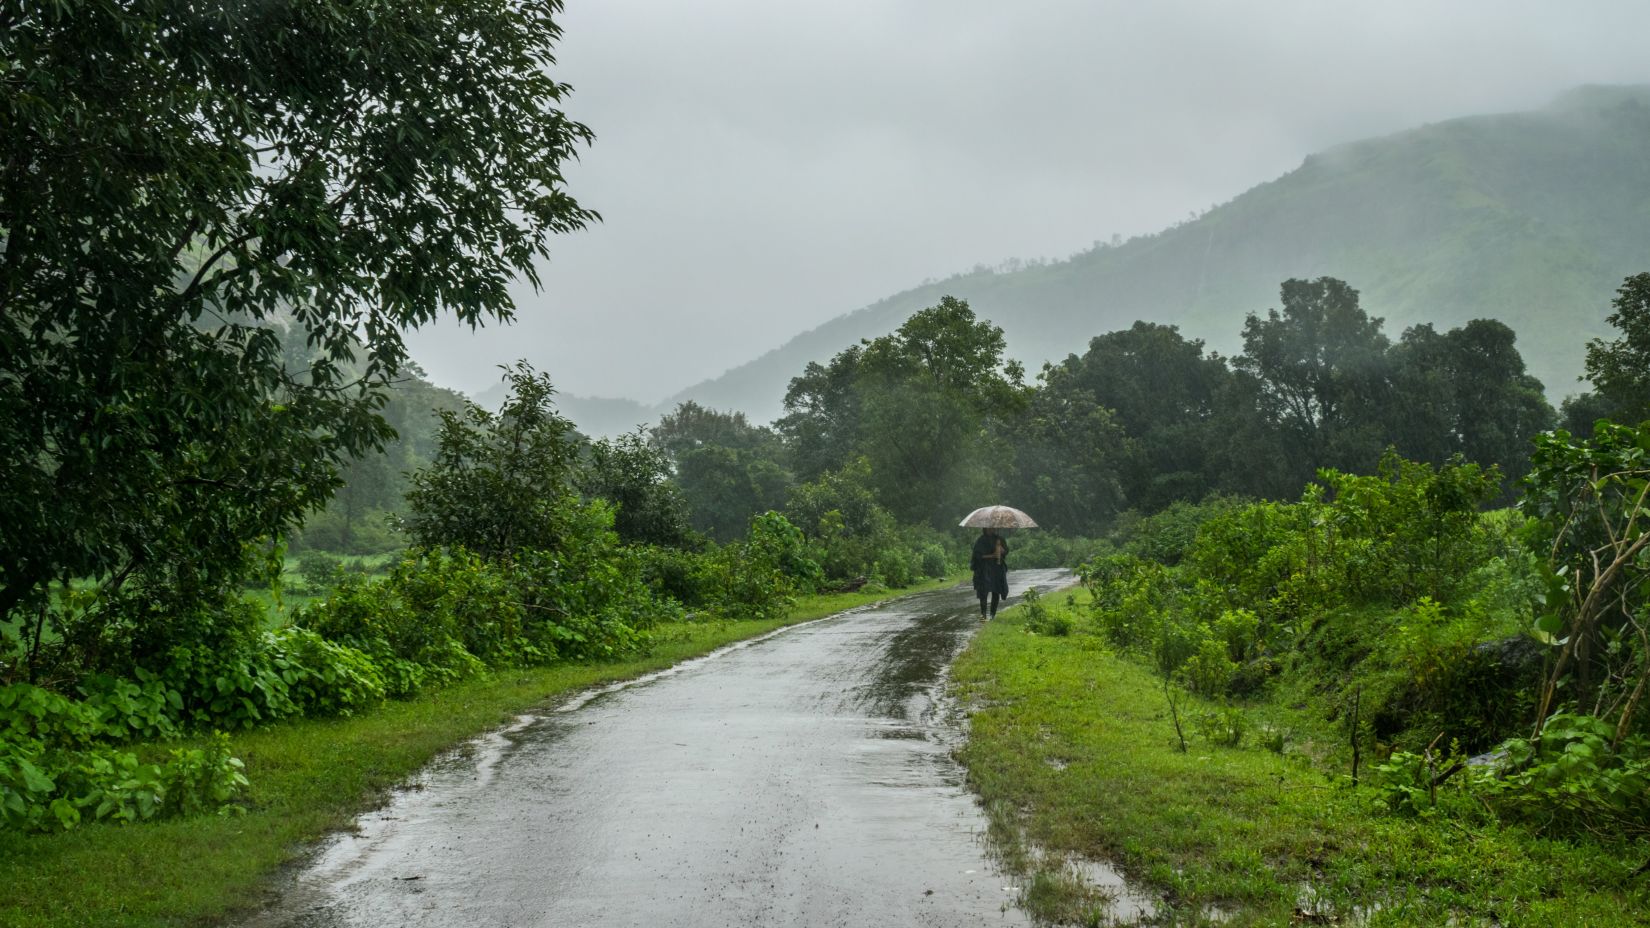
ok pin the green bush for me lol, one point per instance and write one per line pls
(1044, 619)
(146, 708)
(1577, 775)
(325, 678)
(1225, 726)
(203, 780)
(1167, 536)
(1207, 670)
(936, 563)
(1038, 548)
(672, 573)
(56, 771)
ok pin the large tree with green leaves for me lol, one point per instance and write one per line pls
(1465, 392)
(918, 404)
(728, 470)
(1325, 378)
(180, 180)
(634, 475)
(501, 482)
(1619, 368)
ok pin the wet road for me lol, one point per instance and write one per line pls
(801, 779)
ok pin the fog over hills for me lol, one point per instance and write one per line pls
(1531, 218)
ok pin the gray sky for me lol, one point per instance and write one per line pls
(765, 165)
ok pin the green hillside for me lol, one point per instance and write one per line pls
(1531, 218)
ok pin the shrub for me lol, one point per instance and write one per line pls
(936, 563)
(1046, 549)
(1206, 670)
(1167, 536)
(1225, 726)
(201, 780)
(672, 573)
(325, 678)
(1576, 775)
(55, 771)
(1044, 619)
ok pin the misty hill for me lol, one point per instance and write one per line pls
(1531, 218)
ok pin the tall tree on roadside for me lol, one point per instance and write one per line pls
(821, 425)
(634, 476)
(1182, 410)
(500, 482)
(916, 404)
(1068, 455)
(176, 178)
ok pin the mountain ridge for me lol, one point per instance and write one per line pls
(1530, 217)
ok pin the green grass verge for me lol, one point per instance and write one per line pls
(1073, 752)
(308, 778)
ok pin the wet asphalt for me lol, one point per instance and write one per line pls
(800, 779)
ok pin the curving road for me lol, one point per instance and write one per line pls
(804, 778)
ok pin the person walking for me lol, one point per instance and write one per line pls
(989, 561)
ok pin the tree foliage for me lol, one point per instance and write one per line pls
(1619, 368)
(182, 181)
(500, 482)
(729, 471)
(919, 404)
(1320, 363)
(635, 477)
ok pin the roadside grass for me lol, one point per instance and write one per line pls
(1073, 752)
(308, 778)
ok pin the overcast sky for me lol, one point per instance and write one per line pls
(765, 165)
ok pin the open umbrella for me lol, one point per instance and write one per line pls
(998, 517)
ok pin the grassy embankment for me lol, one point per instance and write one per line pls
(1074, 753)
(308, 778)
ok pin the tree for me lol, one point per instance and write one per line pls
(1324, 374)
(821, 425)
(1191, 427)
(916, 404)
(728, 470)
(1466, 393)
(692, 426)
(1068, 452)
(181, 181)
(500, 483)
(1619, 369)
(635, 476)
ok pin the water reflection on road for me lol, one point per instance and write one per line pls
(802, 779)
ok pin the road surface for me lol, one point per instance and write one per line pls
(801, 779)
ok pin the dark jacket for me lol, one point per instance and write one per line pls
(990, 576)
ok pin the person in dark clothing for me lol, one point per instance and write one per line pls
(989, 562)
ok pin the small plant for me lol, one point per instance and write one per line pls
(317, 571)
(1571, 774)
(205, 779)
(1274, 738)
(1225, 726)
(1043, 620)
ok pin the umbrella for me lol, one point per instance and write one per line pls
(998, 517)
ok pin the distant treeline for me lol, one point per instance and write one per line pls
(932, 420)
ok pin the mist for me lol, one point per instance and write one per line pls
(762, 168)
